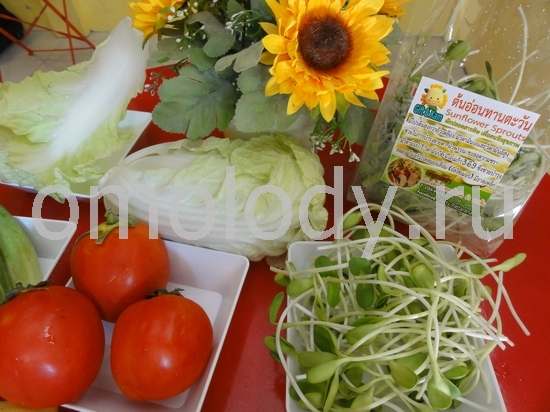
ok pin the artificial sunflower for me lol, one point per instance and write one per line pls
(325, 49)
(150, 16)
(394, 8)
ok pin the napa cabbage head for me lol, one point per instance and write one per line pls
(58, 128)
(171, 179)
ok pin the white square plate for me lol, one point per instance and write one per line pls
(133, 123)
(48, 251)
(302, 255)
(213, 280)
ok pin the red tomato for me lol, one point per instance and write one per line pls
(160, 347)
(119, 272)
(51, 347)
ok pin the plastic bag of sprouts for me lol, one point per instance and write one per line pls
(465, 122)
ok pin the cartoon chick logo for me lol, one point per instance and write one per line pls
(435, 97)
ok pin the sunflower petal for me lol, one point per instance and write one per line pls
(267, 58)
(274, 43)
(269, 28)
(277, 8)
(327, 104)
(271, 87)
(352, 98)
(295, 103)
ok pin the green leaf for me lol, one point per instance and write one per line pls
(234, 7)
(286, 347)
(356, 124)
(315, 398)
(168, 50)
(323, 372)
(281, 279)
(365, 295)
(220, 39)
(324, 339)
(325, 261)
(199, 59)
(253, 80)
(243, 60)
(457, 372)
(342, 104)
(489, 69)
(333, 294)
(457, 50)
(275, 307)
(298, 286)
(257, 113)
(423, 276)
(460, 287)
(363, 400)
(412, 362)
(260, 6)
(359, 266)
(403, 376)
(195, 103)
(311, 359)
(355, 375)
(511, 263)
(332, 392)
(351, 220)
(439, 393)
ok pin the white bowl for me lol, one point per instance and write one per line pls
(213, 280)
(303, 254)
(49, 251)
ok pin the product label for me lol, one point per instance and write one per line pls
(455, 138)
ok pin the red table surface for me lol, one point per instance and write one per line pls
(248, 380)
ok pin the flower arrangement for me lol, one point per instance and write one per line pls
(309, 67)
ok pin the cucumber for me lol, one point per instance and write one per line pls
(18, 259)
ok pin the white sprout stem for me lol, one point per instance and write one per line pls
(524, 54)
(454, 17)
(515, 67)
(421, 65)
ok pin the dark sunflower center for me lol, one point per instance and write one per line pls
(324, 42)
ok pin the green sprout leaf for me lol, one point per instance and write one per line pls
(322, 262)
(324, 339)
(311, 359)
(458, 372)
(332, 392)
(365, 296)
(351, 220)
(286, 347)
(298, 286)
(423, 276)
(359, 266)
(439, 393)
(333, 294)
(281, 279)
(220, 39)
(195, 103)
(275, 307)
(458, 50)
(511, 263)
(323, 372)
(403, 376)
(363, 400)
